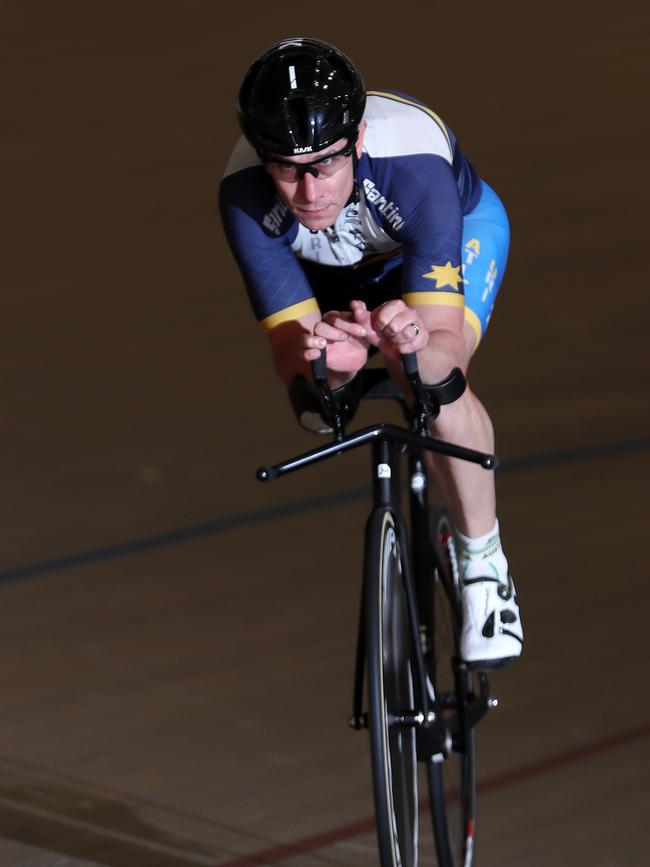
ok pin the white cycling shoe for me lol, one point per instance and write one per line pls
(492, 633)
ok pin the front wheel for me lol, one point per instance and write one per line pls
(390, 694)
(452, 777)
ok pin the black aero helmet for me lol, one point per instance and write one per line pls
(300, 96)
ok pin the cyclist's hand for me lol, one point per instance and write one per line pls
(343, 337)
(399, 327)
(362, 316)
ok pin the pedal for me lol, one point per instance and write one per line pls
(484, 692)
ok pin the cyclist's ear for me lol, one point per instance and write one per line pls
(359, 143)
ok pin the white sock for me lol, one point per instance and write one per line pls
(483, 556)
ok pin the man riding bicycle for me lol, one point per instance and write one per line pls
(359, 226)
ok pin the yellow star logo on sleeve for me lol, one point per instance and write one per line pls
(445, 275)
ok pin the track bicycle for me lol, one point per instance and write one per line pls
(423, 702)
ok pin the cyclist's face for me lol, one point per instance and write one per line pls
(317, 201)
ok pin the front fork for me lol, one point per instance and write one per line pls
(386, 494)
(441, 720)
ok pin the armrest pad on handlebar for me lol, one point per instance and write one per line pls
(305, 401)
(448, 389)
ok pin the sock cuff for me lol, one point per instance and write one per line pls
(481, 545)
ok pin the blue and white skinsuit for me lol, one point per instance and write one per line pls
(422, 226)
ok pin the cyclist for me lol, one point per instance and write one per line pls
(359, 225)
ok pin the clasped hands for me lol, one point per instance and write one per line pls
(394, 328)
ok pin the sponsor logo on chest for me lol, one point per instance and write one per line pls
(388, 209)
(273, 219)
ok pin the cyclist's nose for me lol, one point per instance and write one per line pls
(308, 187)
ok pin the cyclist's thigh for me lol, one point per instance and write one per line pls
(486, 239)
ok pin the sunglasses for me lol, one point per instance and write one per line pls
(329, 165)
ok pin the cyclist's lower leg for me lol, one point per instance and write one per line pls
(492, 633)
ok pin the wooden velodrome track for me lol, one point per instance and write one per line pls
(176, 640)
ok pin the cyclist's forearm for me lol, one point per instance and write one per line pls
(290, 363)
(288, 367)
(288, 347)
(443, 352)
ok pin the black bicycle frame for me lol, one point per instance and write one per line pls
(388, 441)
(386, 494)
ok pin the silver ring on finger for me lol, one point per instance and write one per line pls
(415, 327)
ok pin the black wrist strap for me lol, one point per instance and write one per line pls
(448, 389)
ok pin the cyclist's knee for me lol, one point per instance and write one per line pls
(463, 420)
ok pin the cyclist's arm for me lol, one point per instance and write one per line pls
(288, 342)
(294, 345)
(278, 289)
(445, 347)
(439, 339)
(440, 344)
(432, 287)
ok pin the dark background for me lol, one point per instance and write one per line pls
(176, 639)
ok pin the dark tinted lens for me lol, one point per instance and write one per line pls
(324, 166)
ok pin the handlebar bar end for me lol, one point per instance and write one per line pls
(265, 474)
(319, 367)
(410, 363)
(490, 462)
